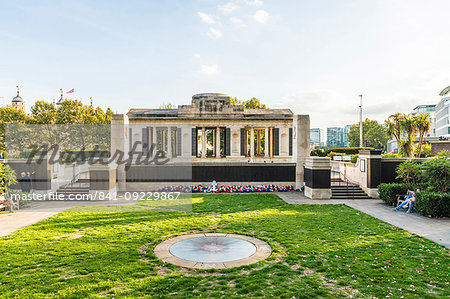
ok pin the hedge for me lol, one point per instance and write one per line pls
(347, 150)
(432, 204)
(318, 152)
(388, 192)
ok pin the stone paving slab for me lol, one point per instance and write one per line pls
(437, 230)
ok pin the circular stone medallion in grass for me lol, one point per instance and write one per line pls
(212, 250)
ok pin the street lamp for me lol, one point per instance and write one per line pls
(360, 122)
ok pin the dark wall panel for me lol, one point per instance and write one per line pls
(202, 173)
(317, 178)
(243, 173)
(388, 174)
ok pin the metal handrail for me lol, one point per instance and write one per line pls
(347, 181)
(75, 178)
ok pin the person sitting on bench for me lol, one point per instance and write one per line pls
(7, 202)
(409, 200)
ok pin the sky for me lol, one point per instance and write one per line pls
(312, 56)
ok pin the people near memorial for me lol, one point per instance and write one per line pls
(408, 202)
(7, 202)
(26, 183)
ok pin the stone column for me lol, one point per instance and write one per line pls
(266, 143)
(301, 146)
(203, 142)
(120, 146)
(252, 143)
(186, 138)
(153, 141)
(370, 169)
(218, 142)
(169, 142)
(235, 141)
(317, 178)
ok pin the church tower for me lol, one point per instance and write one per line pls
(18, 102)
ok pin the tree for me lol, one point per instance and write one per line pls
(408, 125)
(374, 135)
(167, 106)
(43, 113)
(410, 172)
(10, 115)
(235, 101)
(423, 125)
(394, 127)
(7, 176)
(253, 103)
(70, 112)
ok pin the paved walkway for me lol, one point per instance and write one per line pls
(437, 230)
(11, 222)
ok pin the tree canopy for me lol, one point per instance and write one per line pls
(404, 129)
(374, 135)
(253, 103)
(45, 113)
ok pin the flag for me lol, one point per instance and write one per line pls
(71, 91)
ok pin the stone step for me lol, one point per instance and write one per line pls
(72, 191)
(350, 192)
(350, 197)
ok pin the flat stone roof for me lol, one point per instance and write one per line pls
(210, 106)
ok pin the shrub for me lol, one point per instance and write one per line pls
(388, 192)
(347, 150)
(425, 151)
(410, 172)
(7, 176)
(354, 158)
(391, 155)
(318, 152)
(437, 173)
(434, 204)
(332, 154)
(444, 154)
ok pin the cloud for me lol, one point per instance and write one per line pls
(196, 55)
(209, 69)
(214, 33)
(228, 7)
(236, 21)
(253, 2)
(206, 18)
(261, 16)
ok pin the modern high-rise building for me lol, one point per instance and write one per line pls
(431, 111)
(317, 137)
(335, 136)
(443, 114)
(345, 137)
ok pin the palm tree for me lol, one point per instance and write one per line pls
(394, 127)
(423, 125)
(408, 125)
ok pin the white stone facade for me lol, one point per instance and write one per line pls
(212, 130)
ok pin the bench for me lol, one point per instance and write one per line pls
(401, 197)
(16, 205)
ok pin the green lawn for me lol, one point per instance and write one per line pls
(319, 251)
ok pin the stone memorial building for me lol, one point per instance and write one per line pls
(211, 139)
